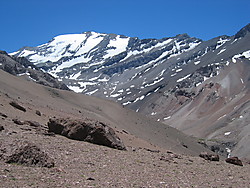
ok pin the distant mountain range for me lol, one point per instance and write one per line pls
(199, 87)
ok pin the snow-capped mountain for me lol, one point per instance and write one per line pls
(199, 87)
(102, 64)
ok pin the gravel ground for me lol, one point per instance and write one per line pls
(81, 164)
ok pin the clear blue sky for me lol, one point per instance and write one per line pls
(34, 22)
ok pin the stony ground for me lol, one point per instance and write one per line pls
(81, 164)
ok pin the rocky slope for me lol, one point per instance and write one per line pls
(199, 87)
(156, 155)
(50, 102)
(20, 66)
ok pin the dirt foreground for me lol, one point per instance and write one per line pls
(79, 164)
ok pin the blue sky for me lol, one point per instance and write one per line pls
(34, 22)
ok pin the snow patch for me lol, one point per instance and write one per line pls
(85, 84)
(142, 97)
(103, 79)
(234, 60)
(126, 103)
(22, 74)
(120, 91)
(95, 78)
(157, 89)
(178, 70)
(118, 46)
(166, 118)
(75, 76)
(234, 41)
(227, 133)
(139, 98)
(222, 116)
(229, 152)
(115, 95)
(162, 72)
(155, 82)
(205, 78)
(26, 53)
(196, 85)
(92, 92)
(32, 79)
(197, 62)
(185, 77)
(245, 54)
(223, 50)
(221, 42)
(76, 89)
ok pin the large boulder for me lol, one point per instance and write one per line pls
(234, 160)
(86, 130)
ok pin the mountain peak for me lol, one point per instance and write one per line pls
(184, 35)
(243, 31)
(91, 33)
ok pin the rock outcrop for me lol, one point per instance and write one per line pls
(26, 154)
(86, 130)
(209, 157)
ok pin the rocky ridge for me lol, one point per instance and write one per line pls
(20, 66)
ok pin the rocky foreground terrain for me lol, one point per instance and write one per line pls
(150, 154)
(81, 164)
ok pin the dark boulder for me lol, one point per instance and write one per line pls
(17, 106)
(18, 122)
(234, 160)
(38, 113)
(1, 128)
(209, 157)
(33, 124)
(86, 130)
(28, 154)
(3, 115)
